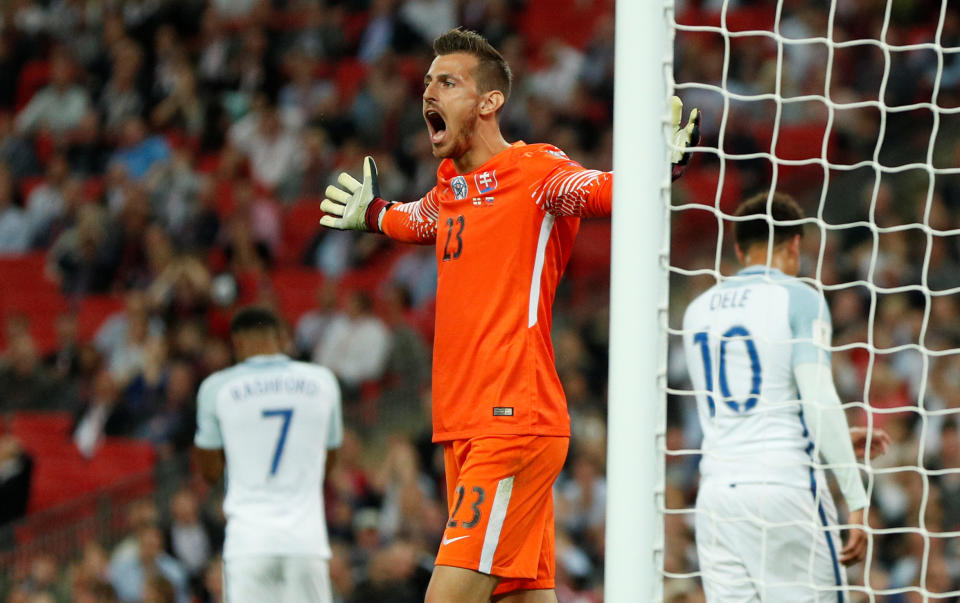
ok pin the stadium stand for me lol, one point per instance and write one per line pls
(199, 177)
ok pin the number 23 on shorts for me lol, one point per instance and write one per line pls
(475, 514)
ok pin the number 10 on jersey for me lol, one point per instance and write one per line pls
(733, 334)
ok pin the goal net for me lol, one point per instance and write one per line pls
(852, 108)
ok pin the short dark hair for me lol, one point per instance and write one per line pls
(254, 318)
(757, 229)
(492, 72)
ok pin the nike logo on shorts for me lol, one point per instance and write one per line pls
(447, 541)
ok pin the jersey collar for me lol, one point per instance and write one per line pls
(267, 358)
(760, 269)
(447, 172)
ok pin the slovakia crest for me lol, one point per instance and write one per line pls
(486, 181)
(459, 187)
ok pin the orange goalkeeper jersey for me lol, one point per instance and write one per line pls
(503, 235)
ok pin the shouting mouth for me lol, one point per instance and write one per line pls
(436, 124)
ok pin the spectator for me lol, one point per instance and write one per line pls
(16, 472)
(24, 381)
(270, 144)
(188, 538)
(181, 292)
(357, 343)
(261, 213)
(123, 334)
(89, 583)
(64, 362)
(121, 98)
(103, 413)
(131, 576)
(416, 272)
(58, 107)
(430, 18)
(556, 80)
(305, 93)
(313, 325)
(174, 191)
(170, 426)
(182, 109)
(46, 202)
(14, 224)
(214, 50)
(76, 261)
(88, 152)
(137, 152)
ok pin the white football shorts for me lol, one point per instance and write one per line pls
(770, 543)
(286, 578)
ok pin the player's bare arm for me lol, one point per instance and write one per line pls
(210, 463)
(855, 550)
(878, 438)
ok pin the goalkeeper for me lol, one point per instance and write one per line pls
(503, 218)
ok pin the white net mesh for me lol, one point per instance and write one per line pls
(853, 108)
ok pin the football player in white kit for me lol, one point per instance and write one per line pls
(273, 423)
(757, 348)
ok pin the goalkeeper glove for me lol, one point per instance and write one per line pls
(355, 205)
(684, 137)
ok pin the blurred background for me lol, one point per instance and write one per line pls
(162, 162)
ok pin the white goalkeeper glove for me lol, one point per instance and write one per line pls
(687, 136)
(354, 205)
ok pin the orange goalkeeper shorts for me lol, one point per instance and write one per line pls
(500, 504)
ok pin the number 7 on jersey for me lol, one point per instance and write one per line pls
(287, 414)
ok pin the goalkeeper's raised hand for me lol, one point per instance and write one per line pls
(354, 205)
(687, 136)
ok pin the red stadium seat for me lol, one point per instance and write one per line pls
(33, 76)
(752, 18)
(350, 75)
(208, 163)
(797, 142)
(300, 224)
(27, 293)
(61, 474)
(296, 290)
(353, 26)
(700, 186)
(93, 311)
(27, 185)
(573, 22)
(93, 189)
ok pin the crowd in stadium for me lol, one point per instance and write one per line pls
(163, 151)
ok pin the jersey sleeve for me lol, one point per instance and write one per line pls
(335, 428)
(572, 190)
(810, 325)
(414, 222)
(208, 425)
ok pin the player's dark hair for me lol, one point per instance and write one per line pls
(492, 72)
(757, 229)
(254, 318)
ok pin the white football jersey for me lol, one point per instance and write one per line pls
(743, 338)
(275, 419)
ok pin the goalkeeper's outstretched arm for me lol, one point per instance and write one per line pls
(355, 205)
(572, 190)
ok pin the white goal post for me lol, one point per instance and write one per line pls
(637, 296)
(878, 175)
